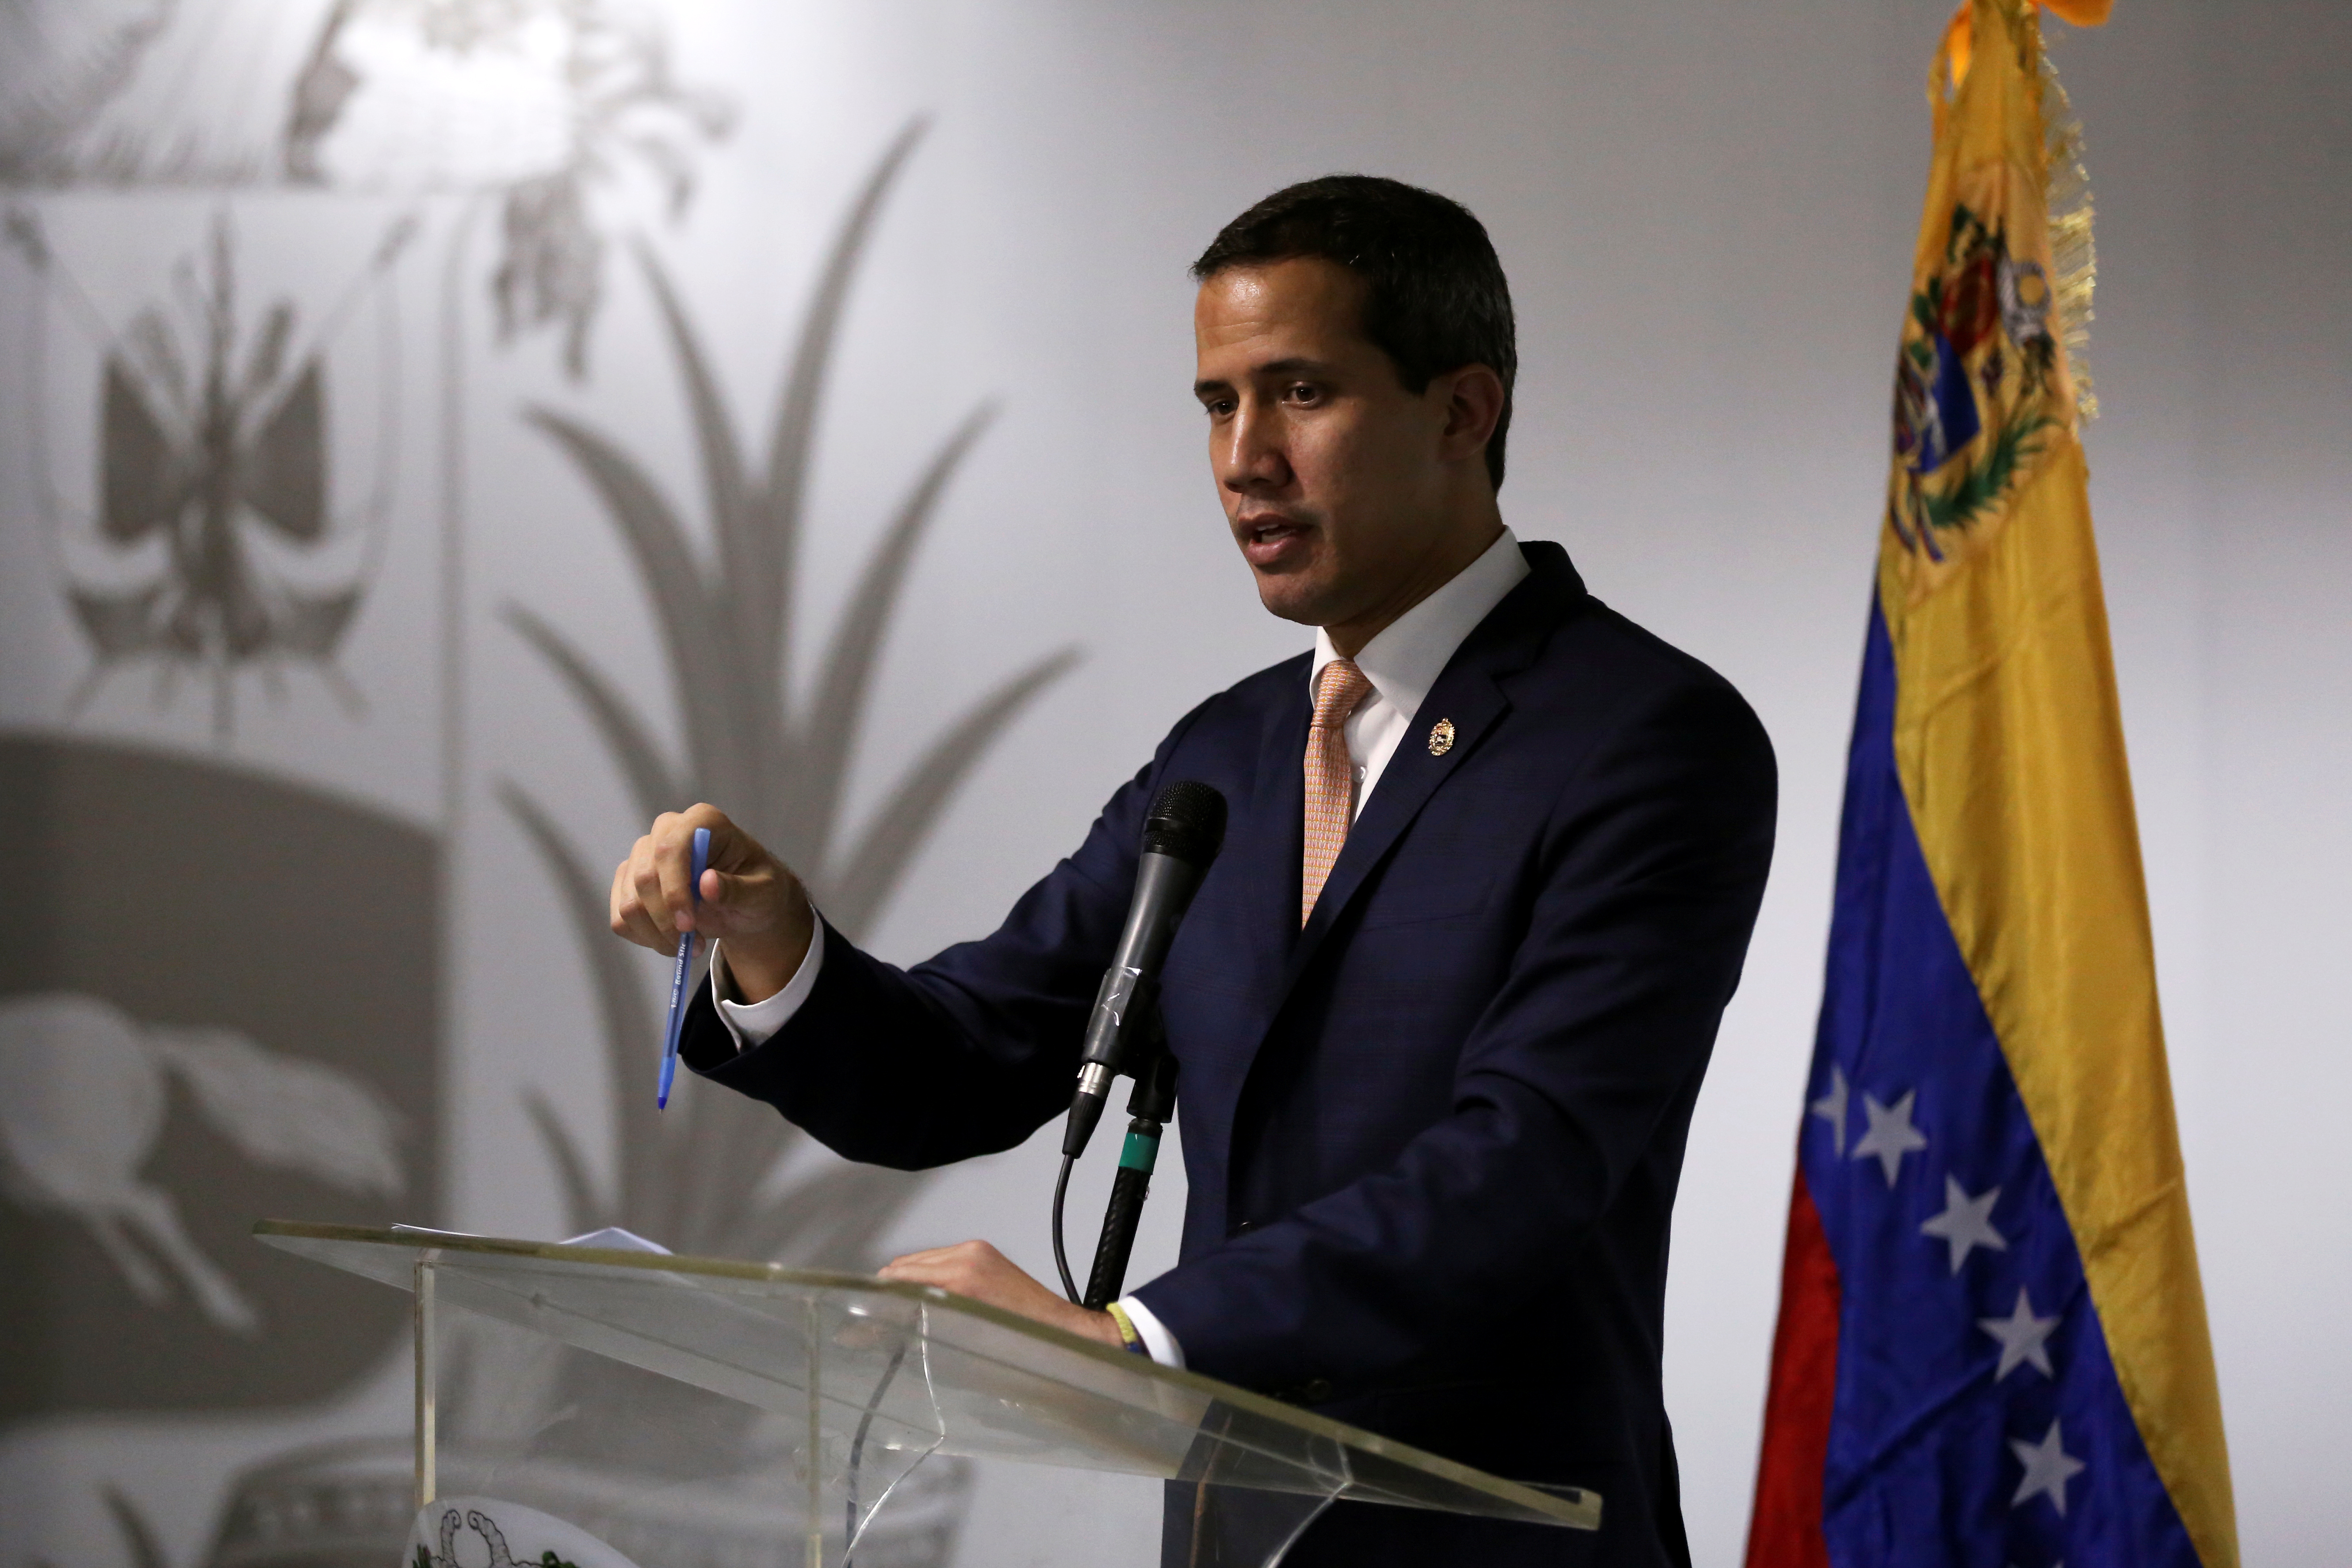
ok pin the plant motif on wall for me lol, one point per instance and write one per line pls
(547, 108)
(139, 1540)
(776, 758)
(562, 98)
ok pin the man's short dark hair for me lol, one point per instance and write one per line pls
(1437, 300)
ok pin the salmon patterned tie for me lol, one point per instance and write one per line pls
(1330, 776)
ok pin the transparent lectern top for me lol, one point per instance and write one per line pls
(911, 1370)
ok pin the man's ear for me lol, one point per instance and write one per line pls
(1474, 402)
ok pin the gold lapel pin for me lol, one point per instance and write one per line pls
(1441, 737)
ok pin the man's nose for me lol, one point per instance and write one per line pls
(1250, 457)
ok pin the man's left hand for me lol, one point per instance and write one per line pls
(976, 1269)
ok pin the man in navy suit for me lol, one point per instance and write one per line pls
(1442, 1006)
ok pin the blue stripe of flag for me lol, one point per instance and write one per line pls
(1931, 1442)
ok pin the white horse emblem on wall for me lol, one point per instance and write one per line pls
(82, 1099)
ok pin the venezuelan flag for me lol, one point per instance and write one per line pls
(1992, 1346)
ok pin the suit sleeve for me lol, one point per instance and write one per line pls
(1650, 872)
(967, 1054)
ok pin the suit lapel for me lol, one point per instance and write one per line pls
(1469, 694)
(1469, 698)
(1279, 812)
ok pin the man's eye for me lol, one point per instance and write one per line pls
(1219, 408)
(1302, 392)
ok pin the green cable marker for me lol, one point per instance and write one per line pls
(1140, 1152)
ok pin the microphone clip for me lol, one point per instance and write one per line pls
(1128, 996)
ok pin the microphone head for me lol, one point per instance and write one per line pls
(1186, 822)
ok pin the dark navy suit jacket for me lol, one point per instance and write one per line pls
(1431, 1141)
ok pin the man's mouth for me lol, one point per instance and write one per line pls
(1272, 541)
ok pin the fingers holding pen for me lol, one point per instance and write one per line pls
(639, 912)
(670, 875)
(739, 883)
(652, 898)
(749, 899)
(736, 903)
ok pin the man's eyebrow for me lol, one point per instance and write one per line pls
(1295, 366)
(1277, 367)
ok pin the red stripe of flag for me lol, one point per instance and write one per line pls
(1785, 1531)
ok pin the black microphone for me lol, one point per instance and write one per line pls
(1182, 834)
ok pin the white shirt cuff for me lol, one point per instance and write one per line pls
(753, 1022)
(1153, 1332)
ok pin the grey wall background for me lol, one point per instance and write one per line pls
(1707, 213)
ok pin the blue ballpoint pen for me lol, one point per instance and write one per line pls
(678, 976)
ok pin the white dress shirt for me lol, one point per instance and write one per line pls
(1405, 660)
(1401, 664)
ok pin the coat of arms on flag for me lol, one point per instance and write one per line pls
(1992, 1347)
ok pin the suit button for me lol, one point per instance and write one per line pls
(1245, 1227)
(1316, 1392)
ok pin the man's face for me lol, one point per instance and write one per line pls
(1332, 474)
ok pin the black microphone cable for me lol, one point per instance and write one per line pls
(857, 1448)
(1061, 1253)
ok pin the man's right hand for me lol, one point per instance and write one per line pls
(750, 900)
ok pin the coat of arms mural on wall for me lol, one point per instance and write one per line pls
(220, 465)
(216, 547)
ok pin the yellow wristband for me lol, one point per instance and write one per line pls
(1127, 1334)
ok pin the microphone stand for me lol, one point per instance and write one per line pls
(1150, 1107)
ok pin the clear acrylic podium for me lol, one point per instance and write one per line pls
(705, 1413)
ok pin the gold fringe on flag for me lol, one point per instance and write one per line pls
(2074, 253)
(2074, 257)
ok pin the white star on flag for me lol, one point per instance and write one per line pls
(2048, 1468)
(1966, 1222)
(1891, 1135)
(2022, 1337)
(1831, 1108)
